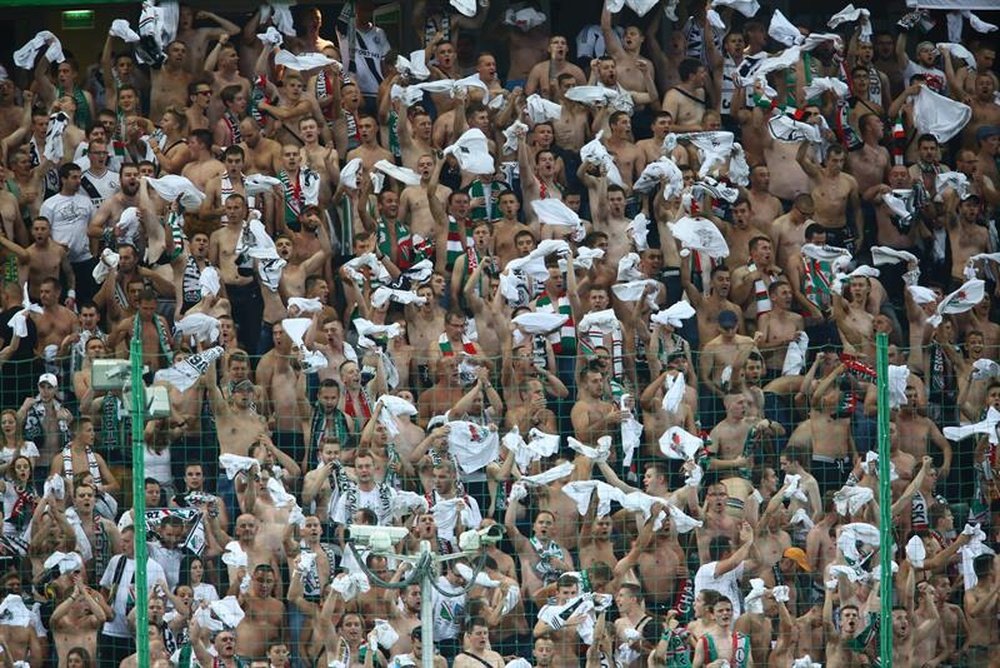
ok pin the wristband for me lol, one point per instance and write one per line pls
(71, 294)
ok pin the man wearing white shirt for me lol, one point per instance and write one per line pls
(451, 518)
(68, 213)
(117, 641)
(97, 181)
(723, 573)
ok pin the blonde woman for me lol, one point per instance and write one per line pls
(12, 443)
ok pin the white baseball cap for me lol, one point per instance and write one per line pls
(49, 378)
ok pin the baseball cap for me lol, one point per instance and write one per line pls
(798, 555)
(728, 319)
(986, 131)
(49, 378)
(243, 386)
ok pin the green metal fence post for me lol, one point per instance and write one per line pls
(885, 499)
(138, 413)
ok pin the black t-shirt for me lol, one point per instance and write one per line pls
(26, 349)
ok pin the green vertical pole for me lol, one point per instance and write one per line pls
(138, 413)
(885, 498)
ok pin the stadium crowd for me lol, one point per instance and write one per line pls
(621, 303)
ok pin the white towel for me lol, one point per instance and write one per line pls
(921, 295)
(801, 518)
(108, 261)
(54, 487)
(26, 56)
(480, 579)
(465, 7)
(209, 282)
(378, 271)
(228, 611)
(978, 24)
(938, 115)
(54, 147)
(851, 498)
(638, 229)
(172, 186)
(870, 466)
(793, 489)
(296, 329)
(974, 548)
(257, 184)
(806, 662)
(472, 151)
(887, 255)
(675, 315)
(960, 301)
(394, 407)
(595, 153)
(473, 445)
(201, 327)
(384, 295)
(916, 552)
(640, 7)
(349, 586)
(551, 475)
(511, 133)
(677, 443)
(863, 270)
(13, 612)
(413, 67)
(302, 62)
(985, 369)
(673, 396)
(987, 426)
(234, 556)
(305, 305)
(604, 322)
(581, 491)
(19, 321)
(851, 535)
(957, 181)
(628, 268)
(958, 51)
(786, 129)
(472, 81)
(795, 355)
(271, 37)
(279, 496)
(598, 454)
(820, 85)
(699, 234)
(404, 175)
(237, 464)
(851, 15)
(755, 597)
(121, 29)
(665, 171)
(714, 148)
(540, 110)
(184, 374)
(592, 96)
(540, 322)
(349, 174)
(898, 375)
(405, 503)
(631, 431)
(370, 329)
(747, 8)
(66, 562)
(280, 14)
(782, 30)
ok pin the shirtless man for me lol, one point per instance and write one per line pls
(629, 159)
(319, 158)
(226, 131)
(477, 652)
(76, 621)
(55, 322)
(836, 197)
(198, 39)
(779, 326)
(542, 559)
(631, 68)
(543, 77)
(415, 134)
(966, 236)
(567, 638)
(292, 107)
(284, 388)
(721, 642)
(709, 305)
(592, 417)
(828, 435)
(413, 203)
(687, 102)
(789, 233)
(572, 128)
(263, 155)
(917, 432)
(750, 281)
(721, 352)
(855, 322)
(237, 272)
(263, 623)
(203, 166)
(981, 607)
(764, 207)
(170, 82)
(43, 259)
(870, 164)
(839, 649)
(740, 232)
(369, 150)
(507, 228)
(222, 70)
(155, 332)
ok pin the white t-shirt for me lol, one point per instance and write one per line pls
(935, 78)
(169, 560)
(371, 46)
(728, 584)
(205, 592)
(448, 610)
(69, 216)
(117, 626)
(99, 188)
(369, 499)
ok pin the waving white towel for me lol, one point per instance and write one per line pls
(595, 153)
(228, 611)
(121, 29)
(540, 110)
(540, 322)
(782, 30)
(631, 431)
(677, 443)
(472, 81)
(820, 85)
(66, 562)
(19, 321)
(675, 315)
(747, 8)
(699, 234)
(302, 62)
(985, 369)
(851, 15)
(184, 374)
(201, 327)
(472, 151)
(525, 18)
(511, 134)
(598, 454)
(887, 255)
(987, 426)
(938, 115)
(801, 518)
(350, 586)
(551, 475)
(209, 282)
(404, 175)
(674, 394)
(852, 498)
(13, 612)
(465, 7)
(413, 67)
(237, 464)
(958, 51)
(172, 186)
(916, 552)
(581, 492)
(664, 170)
(349, 174)
(592, 96)
(25, 56)
(473, 445)
(853, 534)
(271, 37)
(974, 548)
(960, 301)
(795, 355)
(108, 261)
